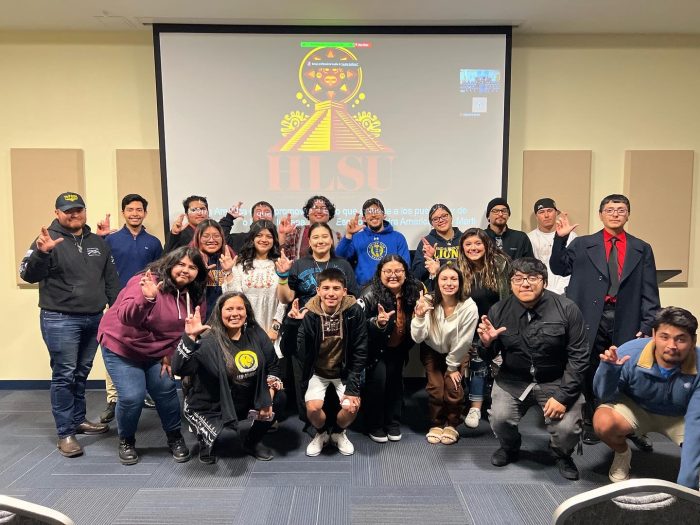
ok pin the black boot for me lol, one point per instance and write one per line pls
(206, 453)
(178, 447)
(127, 451)
(253, 441)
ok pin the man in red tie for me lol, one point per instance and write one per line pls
(613, 282)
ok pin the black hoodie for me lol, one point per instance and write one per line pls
(72, 280)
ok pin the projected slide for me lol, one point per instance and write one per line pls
(410, 119)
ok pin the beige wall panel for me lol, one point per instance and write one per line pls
(564, 176)
(659, 185)
(38, 177)
(138, 171)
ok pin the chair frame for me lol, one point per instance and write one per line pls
(27, 509)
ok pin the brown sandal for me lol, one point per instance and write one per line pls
(450, 436)
(434, 435)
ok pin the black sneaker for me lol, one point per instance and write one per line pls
(502, 457)
(642, 442)
(178, 447)
(394, 432)
(127, 452)
(107, 414)
(378, 435)
(590, 437)
(205, 455)
(567, 467)
(258, 451)
(148, 402)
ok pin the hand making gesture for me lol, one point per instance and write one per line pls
(610, 356)
(149, 287)
(432, 265)
(383, 316)
(428, 249)
(295, 312)
(194, 326)
(178, 225)
(103, 227)
(235, 210)
(423, 306)
(564, 227)
(283, 264)
(44, 243)
(487, 332)
(353, 226)
(285, 227)
(227, 262)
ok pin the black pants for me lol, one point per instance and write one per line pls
(603, 340)
(383, 392)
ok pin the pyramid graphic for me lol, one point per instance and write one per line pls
(330, 128)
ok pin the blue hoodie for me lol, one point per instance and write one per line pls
(370, 247)
(677, 395)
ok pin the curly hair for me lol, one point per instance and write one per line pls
(494, 270)
(310, 204)
(248, 253)
(163, 268)
(410, 289)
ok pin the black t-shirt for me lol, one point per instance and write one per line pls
(242, 363)
(302, 276)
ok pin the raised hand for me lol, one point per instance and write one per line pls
(149, 287)
(235, 210)
(285, 227)
(353, 226)
(423, 306)
(383, 316)
(564, 227)
(428, 249)
(103, 227)
(487, 332)
(194, 326)
(283, 264)
(295, 312)
(432, 265)
(178, 225)
(610, 356)
(227, 262)
(44, 243)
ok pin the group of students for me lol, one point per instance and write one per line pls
(244, 318)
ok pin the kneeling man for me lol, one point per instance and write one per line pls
(652, 385)
(332, 345)
(542, 339)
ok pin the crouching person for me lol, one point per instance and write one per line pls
(233, 373)
(332, 346)
(542, 339)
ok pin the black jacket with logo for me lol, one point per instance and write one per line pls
(70, 280)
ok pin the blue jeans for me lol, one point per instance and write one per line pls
(72, 342)
(478, 372)
(132, 379)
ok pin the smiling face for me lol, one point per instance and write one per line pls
(672, 345)
(261, 211)
(184, 272)
(134, 214)
(473, 247)
(441, 221)
(233, 314)
(527, 288)
(448, 283)
(374, 218)
(197, 212)
(393, 276)
(320, 242)
(210, 241)
(263, 242)
(73, 219)
(319, 212)
(331, 293)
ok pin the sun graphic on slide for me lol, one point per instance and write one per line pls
(330, 73)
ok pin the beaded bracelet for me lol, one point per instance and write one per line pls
(282, 275)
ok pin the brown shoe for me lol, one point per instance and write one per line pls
(69, 447)
(89, 428)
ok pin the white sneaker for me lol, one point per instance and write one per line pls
(344, 445)
(317, 443)
(473, 418)
(620, 468)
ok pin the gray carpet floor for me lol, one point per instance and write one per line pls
(409, 481)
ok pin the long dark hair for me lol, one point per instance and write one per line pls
(218, 330)
(163, 267)
(330, 232)
(247, 254)
(199, 231)
(493, 274)
(438, 298)
(410, 289)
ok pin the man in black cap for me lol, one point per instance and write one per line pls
(542, 239)
(77, 279)
(514, 243)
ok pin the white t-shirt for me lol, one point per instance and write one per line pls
(542, 246)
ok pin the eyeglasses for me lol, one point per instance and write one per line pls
(500, 211)
(322, 209)
(531, 279)
(441, 218)
(615, 211)
(397, 273)
(197, 210)
(211, 237)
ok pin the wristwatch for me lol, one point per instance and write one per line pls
(276, 326)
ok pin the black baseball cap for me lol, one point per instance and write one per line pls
(545, 202)
(69, 200)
